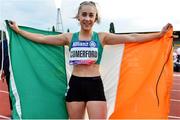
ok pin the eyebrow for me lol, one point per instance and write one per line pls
(87, 12)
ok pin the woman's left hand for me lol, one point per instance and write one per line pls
(165, 29)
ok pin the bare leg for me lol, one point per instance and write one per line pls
(97, 109)
(76, 110)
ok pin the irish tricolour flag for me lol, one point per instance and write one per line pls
(137, 78)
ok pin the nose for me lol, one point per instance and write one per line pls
(87, 18)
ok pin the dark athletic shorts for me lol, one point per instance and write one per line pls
(85, 89)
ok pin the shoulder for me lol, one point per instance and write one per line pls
(102, 36)
(68, 36)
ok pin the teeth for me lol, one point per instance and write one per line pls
(87, 23)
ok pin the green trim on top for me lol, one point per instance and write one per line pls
(95, 37)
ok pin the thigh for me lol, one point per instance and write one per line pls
(97, 109)
(76, 110)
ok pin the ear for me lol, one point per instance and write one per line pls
(78, 18)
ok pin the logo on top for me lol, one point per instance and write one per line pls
(92, 44)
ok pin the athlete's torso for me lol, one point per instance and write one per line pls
(87, 70)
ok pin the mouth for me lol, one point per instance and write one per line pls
(87, 24)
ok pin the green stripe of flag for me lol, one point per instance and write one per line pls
(39, 76)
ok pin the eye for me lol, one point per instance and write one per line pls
(91, 15)
(84, 14)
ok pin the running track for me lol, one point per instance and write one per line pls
(4, 101)
(175, 97)
(174, 110)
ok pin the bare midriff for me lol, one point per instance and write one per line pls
(86, 70)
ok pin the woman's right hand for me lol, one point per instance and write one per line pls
(14, 26)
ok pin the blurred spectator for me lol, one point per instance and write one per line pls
(178, 53)
(176, 60)
(174, 57)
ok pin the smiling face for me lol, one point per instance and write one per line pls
(87, 17)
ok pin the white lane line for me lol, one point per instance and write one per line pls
(176, 90)
(4, 117)
(176, 117)
(176, 83)
(174, 100)
(176, 75)
(1, 91)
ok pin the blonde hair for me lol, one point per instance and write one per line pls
(90, 3)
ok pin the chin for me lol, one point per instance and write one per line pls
(86, 29)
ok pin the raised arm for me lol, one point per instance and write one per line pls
(61, 39)
(112, 39)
